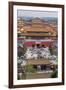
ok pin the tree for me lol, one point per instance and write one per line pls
(54, 74)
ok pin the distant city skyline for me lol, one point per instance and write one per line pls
(36, 13)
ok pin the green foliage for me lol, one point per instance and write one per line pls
(18, 77)
(19, 35)
(54, 74)
(30, 69)
(24, 76)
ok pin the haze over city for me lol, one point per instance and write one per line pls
(37, 13)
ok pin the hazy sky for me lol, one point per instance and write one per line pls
(37, 13)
